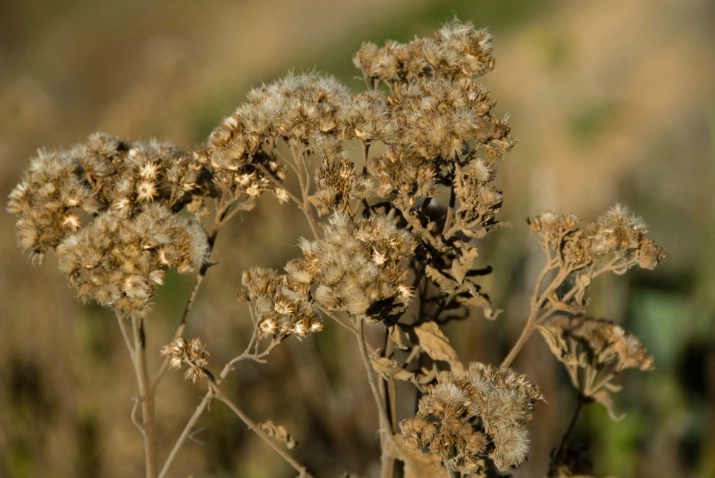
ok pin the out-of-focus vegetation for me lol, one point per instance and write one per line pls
(611, 101)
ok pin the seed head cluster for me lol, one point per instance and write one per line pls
(473, 415)
(600, 343)
(191, 353)
(108, 208)
(397, 184)
(616, 234)
(457, 50)
(281, 304)
(356, 266)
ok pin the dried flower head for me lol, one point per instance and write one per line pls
(109, 210)
(281, 305)
(118, 261)
(356, 266)
(457, 50)
(594, 351)
(616, 236)
(192, 354)
(472, 415)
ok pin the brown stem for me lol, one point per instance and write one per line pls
(278, 183)
(384, 431)
(558, 454)
(247, 354)
(211, 240)
(146, 395)
(536, 303)
(304, 182)
(388, 390)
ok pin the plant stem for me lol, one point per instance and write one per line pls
(537, 303)
(558, 455)
(207, 399)
(146, 394)
(384, 432)
(185, 432)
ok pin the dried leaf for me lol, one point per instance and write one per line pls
(463, 263)
(446, 284)
(399, 336)
(477, 299)
(278, 432)
(417, 463)
(425, 376)
(435, 343)
(554, 340)
(389, 369)
(605, 399)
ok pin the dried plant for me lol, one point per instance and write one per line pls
(397, 186)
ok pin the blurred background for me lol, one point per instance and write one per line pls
(611, 101)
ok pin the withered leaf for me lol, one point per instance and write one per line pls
(278, 432)
(446, 284)
(399, 336)
(435, 343)
(417, 463)
(605, 399)
(389, 369)
(463, 263)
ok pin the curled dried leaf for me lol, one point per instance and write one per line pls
(278, 432)
(435, 343)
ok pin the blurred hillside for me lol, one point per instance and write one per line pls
(611, 101)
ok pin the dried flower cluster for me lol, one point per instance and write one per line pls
(397, 184)
(119, 261)
(456, 51)
(473, 415)
(616, 237)
(191, 353)
(594, 351)
(108, 209)
(357, 267)
(281, 304)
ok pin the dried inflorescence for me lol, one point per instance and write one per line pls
(406, 177)
(118, 260)
(357, 267)
(281, 305)
(473, 415)
(601, 343)
(577, 253)
(108, 209)
(296, 109)
(594, 351)
(616, 236)
(457, 50)
(191, 353)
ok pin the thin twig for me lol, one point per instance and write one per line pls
(186, 432)
(536, 304)
(304, 182)
(253, 426)
(125, 335)
(277, 182)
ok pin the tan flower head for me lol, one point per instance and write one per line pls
(356, 266)
(192, 354)
(473, 415)
(281, 304)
